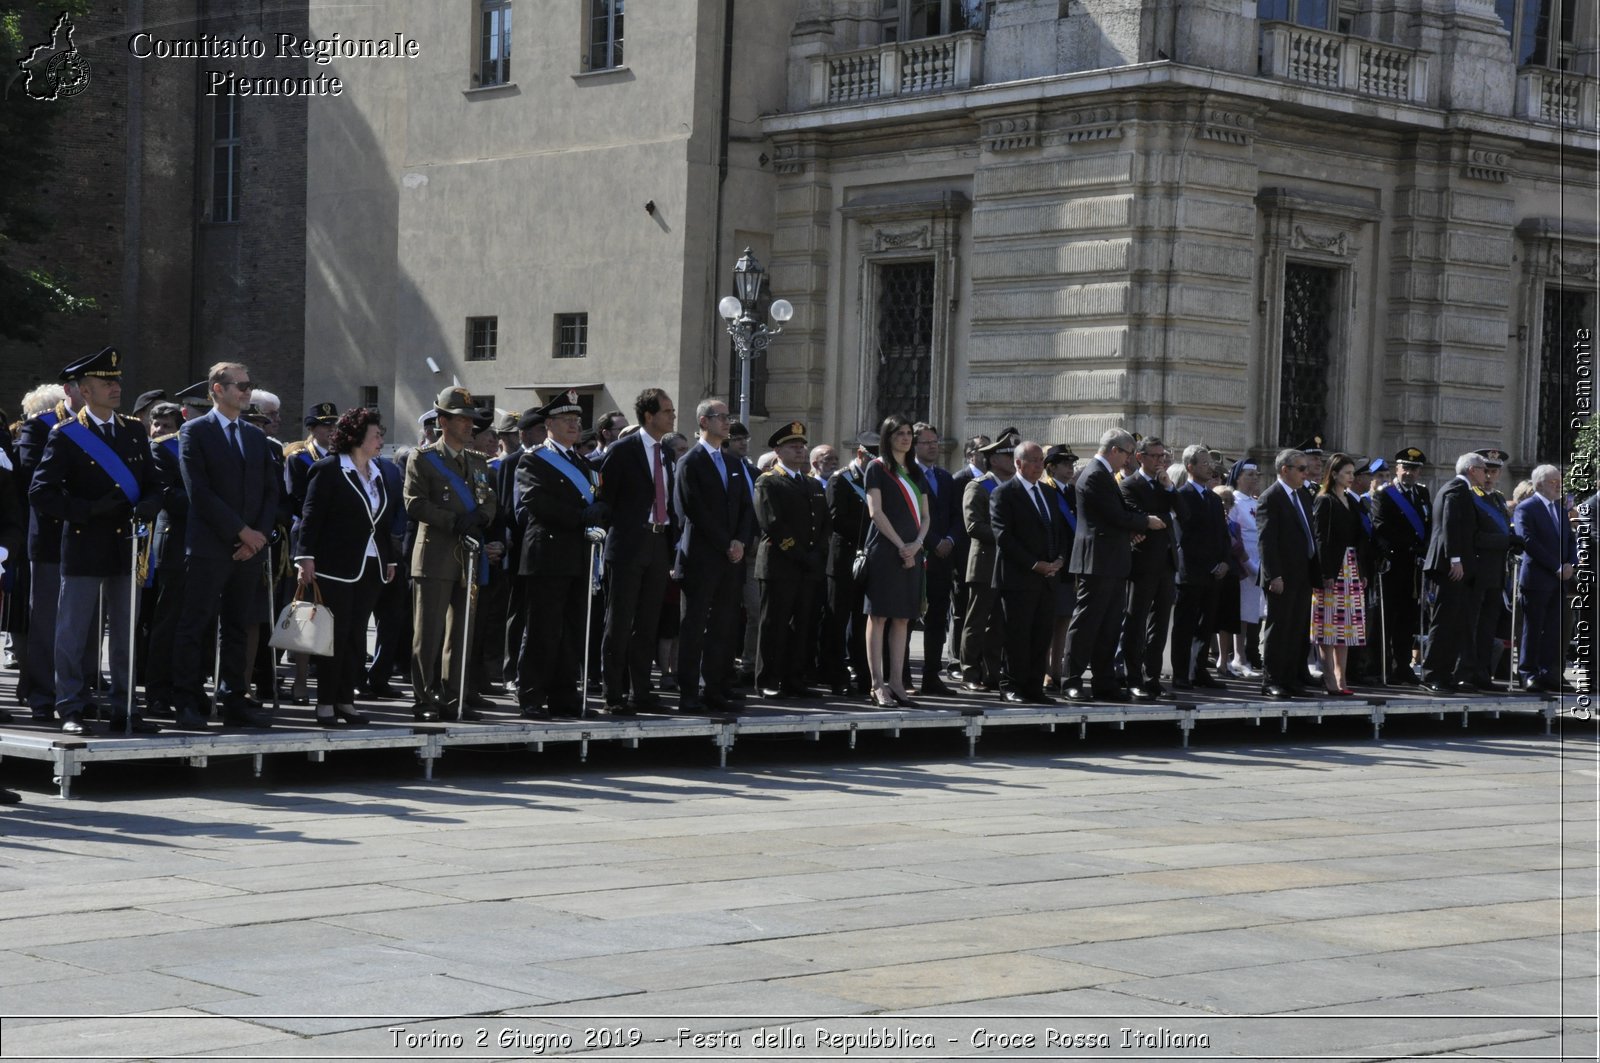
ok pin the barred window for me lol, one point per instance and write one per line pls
(1305, 370)
(904, 371)
(483, 335)
(572, 336)
(1566, 312)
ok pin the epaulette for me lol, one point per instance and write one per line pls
(62, 412)
(164, 438)
(291, 449)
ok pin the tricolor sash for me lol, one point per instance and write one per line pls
(93, 444)
(454, 479)
(1409, 512)
(558, 461)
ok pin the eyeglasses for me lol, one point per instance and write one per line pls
(1299, 468)
(242, 385)
(717, 416)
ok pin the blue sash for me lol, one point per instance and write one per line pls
(1066, 511)
(49, 418)
(1493, 511)
(494, 463)
(454, 479)
(557, 461)
(171, 443)
(100, 452)
(857, 488)
(1409, 512)
(988, 485)
(305, 456)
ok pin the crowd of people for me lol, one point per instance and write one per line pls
(512, 554)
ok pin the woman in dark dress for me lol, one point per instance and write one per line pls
(898, 509)
(1338, 607)
(344, 542)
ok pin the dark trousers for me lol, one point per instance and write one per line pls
(81, 604)
(438, 630)
(1144, 628)
(1541, 636)
(351, 605)
(1029, 615)
(934, 622)
(488, 636)
(710, 627)
(1401, 614)
(217, 590)
(634, 589)
(1452, 627)
(1094, 630)
(958, 604)
(552, 642)
(844, 636)
(1194, 616)
(982, 637)
(170, 580)
(516, 620)
(1286, 634)
(392, 613)
(784, 631)
(1491, 610)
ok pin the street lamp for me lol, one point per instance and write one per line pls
(750, 337)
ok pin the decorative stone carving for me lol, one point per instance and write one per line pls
(1012, 132)
(1575, 264)
(1336, 243)
(885, 240)
(788, 159)
(1092, 123)
(1485, 165)
(1231, 127)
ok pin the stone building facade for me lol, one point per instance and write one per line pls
(1239, 222)
(181, 215)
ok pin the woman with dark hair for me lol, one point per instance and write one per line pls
(344, 550)
(1338, 607)
(898, 510)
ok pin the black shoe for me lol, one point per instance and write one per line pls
(1155, 687)
(10, 797)
(1012, 697)
(44, 716)
(714, 702)
(934, 687)
(245, 718)
(532, 712)
(1181, 684)
(1076, 693)
(6, 717)
(425, 713)
(379, 692)
(647, 702)
(190, 720)
(619, 708)
(692, 704)
(1404, 677)
(975, 687)
(774, 693)
(1119, 696)
(1489, 686)
(1142, 694)
(465, 714)
(348, 714)
(1276, 693)
(330, 720)
(72, 725)
(141, 726)
(478, 701)
(1205, 679)
(1041, 698)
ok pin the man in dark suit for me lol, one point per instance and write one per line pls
(790, 562)
(1452, 565)
(1402, 522)
(232, 484)
(944, 534)
(167, 550)
(561, 518)
(1153, 572)
(844, 640)
(1289, 569)
(1495, 543)
(1200, 532)
(982, 633)
(96, 478)
(1102, 559)
(714, 508)
(636, 478)
(1031, 542)
(1548, 563)
(973, 467)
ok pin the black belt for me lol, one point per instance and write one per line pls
(657, 529)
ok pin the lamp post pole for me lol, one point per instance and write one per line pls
(749, 334)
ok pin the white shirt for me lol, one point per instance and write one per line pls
(1101, 458)
(373, 489)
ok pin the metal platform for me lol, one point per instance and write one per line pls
(392, 728)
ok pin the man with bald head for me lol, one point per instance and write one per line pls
(1031, 539)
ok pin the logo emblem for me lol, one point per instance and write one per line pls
(55, 69)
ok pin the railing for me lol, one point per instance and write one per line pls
(901, 68)
(1343, 63)
(1556, 97)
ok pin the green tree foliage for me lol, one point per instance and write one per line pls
(28, 294)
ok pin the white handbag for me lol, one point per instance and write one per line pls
(304, 627)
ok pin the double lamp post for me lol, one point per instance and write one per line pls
(750, 335)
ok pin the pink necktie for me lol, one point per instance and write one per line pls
(658, 512)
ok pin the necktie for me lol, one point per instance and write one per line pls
(233, 439)
(1044, 515)
(106, 432)
(933, 483)
(1300, 508)
(658, 512)
(722, 470)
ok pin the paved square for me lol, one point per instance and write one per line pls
(1354, 899)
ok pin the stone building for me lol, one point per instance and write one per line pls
(1246, 223)
(182, 215)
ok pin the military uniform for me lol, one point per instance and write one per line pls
(982, 632)
(450, 495)
(845, 639)
(791, 562)
(1402, 522)
(95, 477)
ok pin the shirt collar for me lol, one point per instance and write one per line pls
(1101, 458)
(450, 452)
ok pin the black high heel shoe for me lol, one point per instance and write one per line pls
(348, 714)
(882, 698)
(331, 719)
(903, 700)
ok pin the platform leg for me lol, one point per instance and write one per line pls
(67, 767)
(255, 764)
(852, 736)
(1283, 724)
(1377, 724)
(1185, 725)
(583, 750)
(974, 728)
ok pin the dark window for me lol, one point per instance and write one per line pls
(369, 396)
(904, 352)
(910, 19)
(1565, 312)
(483, 336)
(494, 43)
(225, 159)
(1534, 42)
(605, 34)
(1304, 376)
(1313, 13)
(572, 336)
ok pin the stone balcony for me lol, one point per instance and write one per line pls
(1557, 97)
(1343, 63)
(897, 69)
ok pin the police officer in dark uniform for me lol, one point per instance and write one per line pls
(1497, 542)
(975, 466)
(557, 506)
(166, 556)
(1402, 522)
(790, 564)
(844, 641)
(982, 632)
(96, 478)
